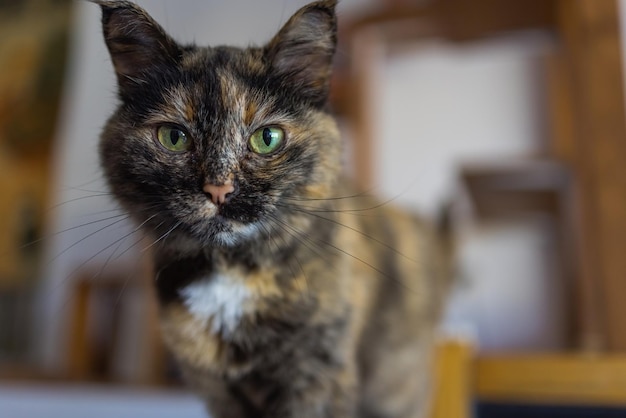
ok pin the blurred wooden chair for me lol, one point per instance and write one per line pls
(114, 334)
(453, 391)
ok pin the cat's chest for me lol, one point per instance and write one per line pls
(220, 301)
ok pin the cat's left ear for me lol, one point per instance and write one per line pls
(136, 42)
(302, 51)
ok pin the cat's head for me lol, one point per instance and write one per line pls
(217, 143)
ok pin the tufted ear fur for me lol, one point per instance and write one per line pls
(302, 51)
(137, 43)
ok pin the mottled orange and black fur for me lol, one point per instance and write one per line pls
(293, 296)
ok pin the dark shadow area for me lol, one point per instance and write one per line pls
(495, 410)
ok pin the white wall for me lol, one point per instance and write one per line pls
(441, 107)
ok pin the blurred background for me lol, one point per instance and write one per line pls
(508, 113)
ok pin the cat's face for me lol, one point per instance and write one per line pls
(219, 144)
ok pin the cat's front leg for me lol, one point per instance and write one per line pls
(220, 398)
(228, 407)
(299, 405)
(328, 395)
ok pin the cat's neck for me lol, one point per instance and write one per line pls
(283, 254)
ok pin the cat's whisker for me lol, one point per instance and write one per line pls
(106, 262)
(307, 286)
(368, 236)
(103, 212)
(91, 258)
(163, 236)
(112, 255)
(347, 210)
(98, 177)
(120, 210)
(360, 260)
(306, 241)
(81, 189)
(85, 262)
(300, 237)
(124, 237)
(129, 275)
(76, 199)
(91, 234)
(366, 194)
(72, 228)
(119, 218)
(118, 299)
(130, 247)
(102, 269)
(119, 242)
(268, 231)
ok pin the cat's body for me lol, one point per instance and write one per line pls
(283, 293)
(337, 326)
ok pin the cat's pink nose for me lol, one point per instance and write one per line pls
(219, 194)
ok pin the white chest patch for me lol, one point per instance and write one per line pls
(219, 301)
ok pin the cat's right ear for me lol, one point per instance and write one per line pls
(136, 42)
(302, 51)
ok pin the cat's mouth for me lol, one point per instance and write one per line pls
(221, 229)
(228, 232)
(224, 225)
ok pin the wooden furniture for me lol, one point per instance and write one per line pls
(587, 137)
(99, 333)
(533, 188)
(453, 380)
(32, 56)
(33, 49)
(572, 378)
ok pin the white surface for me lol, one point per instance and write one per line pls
(40, 401)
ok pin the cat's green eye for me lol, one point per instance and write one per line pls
(173, 139)
(267, 140)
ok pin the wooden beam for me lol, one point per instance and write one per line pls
(595, 146)
(80, 353)
(554, 379)
(453, 383)
(366, 54)
(461, 20)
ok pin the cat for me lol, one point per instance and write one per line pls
(283, 292)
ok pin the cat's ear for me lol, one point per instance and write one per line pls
(302, 51)
(136, 42)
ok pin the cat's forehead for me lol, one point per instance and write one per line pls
(208, 62)
(215, 83)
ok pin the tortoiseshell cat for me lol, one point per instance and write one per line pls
(282, 292)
